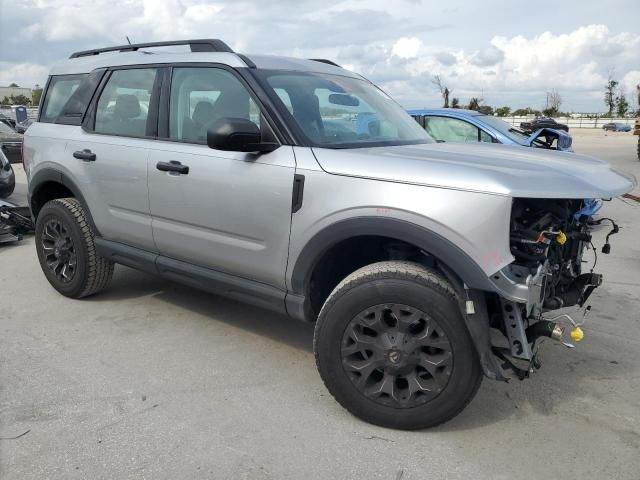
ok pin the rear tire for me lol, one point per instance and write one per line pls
(67, 252)
(393, 349)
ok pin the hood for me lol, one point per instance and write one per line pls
(487, 168)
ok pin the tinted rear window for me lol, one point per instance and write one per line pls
(59, 91)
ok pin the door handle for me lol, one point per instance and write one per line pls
(85, 155)
(173, 166)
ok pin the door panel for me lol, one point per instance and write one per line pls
(116, 193)
(112, 156)
(230, 213)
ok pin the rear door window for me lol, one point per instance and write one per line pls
(123, 106)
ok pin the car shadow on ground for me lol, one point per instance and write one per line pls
(562, 380)
(128, 283)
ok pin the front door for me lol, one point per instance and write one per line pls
(226, 211)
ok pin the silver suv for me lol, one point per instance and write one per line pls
(301, 187)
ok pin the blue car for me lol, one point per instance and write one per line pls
(469, 126)
(617, 127)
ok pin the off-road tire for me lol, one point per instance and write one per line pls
(92, 272)
(10, 188)
(409, 284)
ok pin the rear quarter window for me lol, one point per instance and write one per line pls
(68, 96)
(59, 91)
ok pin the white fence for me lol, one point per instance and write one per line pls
(574, 122)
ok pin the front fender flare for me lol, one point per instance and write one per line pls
(436, 245)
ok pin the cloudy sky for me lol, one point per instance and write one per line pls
(507, 52)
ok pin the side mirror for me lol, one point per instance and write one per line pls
(237, 135)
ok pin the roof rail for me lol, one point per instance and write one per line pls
(324, 60)
(198, 45)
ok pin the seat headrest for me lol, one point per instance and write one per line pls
(202, 113)
(127, 106)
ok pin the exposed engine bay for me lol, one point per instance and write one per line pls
(548, 238)
(552, 139)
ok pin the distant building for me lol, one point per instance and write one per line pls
(15, 91)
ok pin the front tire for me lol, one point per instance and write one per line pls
(393, 349)
(67, 252)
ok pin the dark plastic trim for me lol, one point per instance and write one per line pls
(127, 255)
(238, 288)
(52, 175)
(298, 192)
(246, 60)
(324, 60)
(432, 243)
(196, 45)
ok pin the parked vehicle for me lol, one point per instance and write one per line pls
(468, 126)
(299, 186)
(22, 127)
(7, 177)
(616, 127)
(543, 122)
(7, 120)
(11, 143)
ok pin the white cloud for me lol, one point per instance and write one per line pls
(393, 45)
(24, 74)
(407, 47)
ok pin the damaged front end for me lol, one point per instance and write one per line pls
(550, 138)
(548, 238)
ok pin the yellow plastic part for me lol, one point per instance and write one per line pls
(576, 334)
(561, 238)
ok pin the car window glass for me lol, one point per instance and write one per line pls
(284, 96)
(123, 106)
(485, 137)
(59, 91)
(335, 111)
(451, 130)
(202, 96)
(4, 128)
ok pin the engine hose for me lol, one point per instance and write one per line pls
(543, 328)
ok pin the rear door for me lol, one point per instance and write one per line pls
(231, 211)
(110, 154)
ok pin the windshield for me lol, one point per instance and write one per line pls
(334, 111)
(505, 128)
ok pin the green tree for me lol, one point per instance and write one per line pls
(455, 102)
(522, 112)
(609, 93)
(5, 101)
(36, 94)
(474, 104)
(486, 109)
(20, 100)
(444, 90)
(503, 111)
(622, 105)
